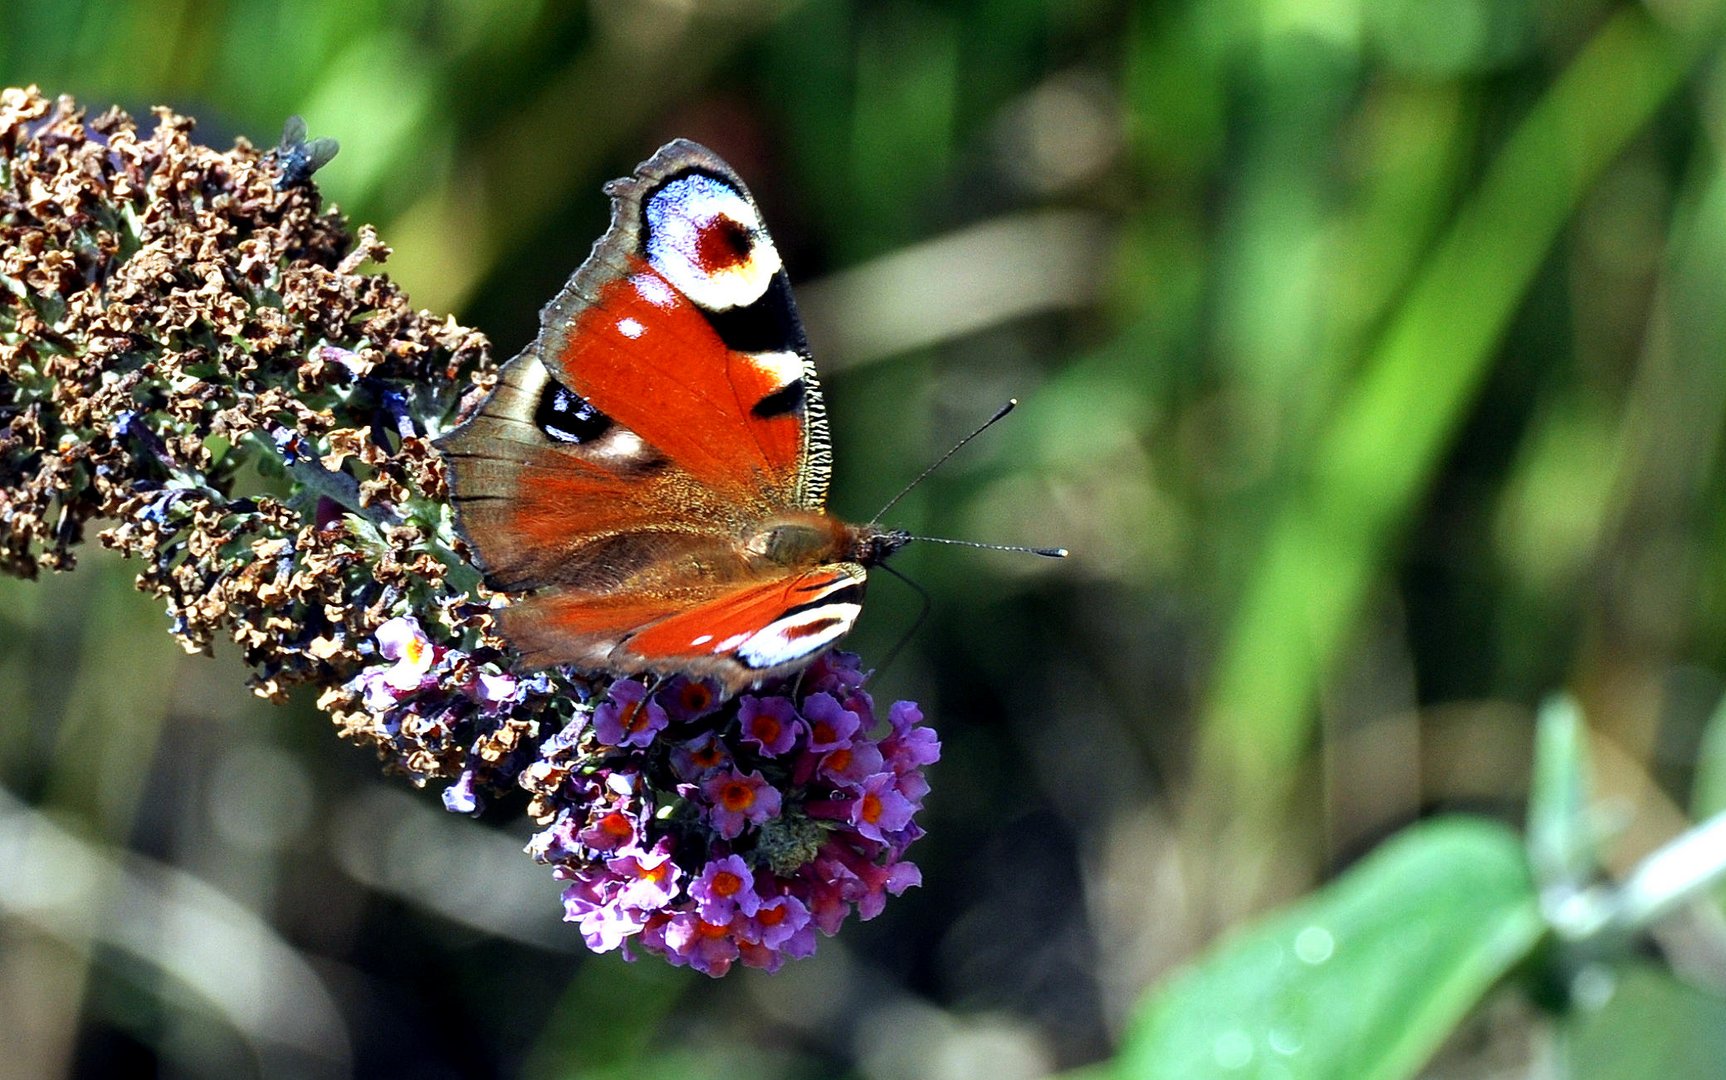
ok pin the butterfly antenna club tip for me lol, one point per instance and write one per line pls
(1012, 403)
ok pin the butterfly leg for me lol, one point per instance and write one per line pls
(653, 687)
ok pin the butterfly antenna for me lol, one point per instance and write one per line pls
(1012, 403)
(916, 624)
(1045, 552)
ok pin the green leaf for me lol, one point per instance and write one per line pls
(1362, 980)
(1653, 1026)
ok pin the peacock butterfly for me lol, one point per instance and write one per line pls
(650, 474)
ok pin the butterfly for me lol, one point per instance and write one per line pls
(650, 474)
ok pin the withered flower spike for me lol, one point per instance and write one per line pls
(169, 318)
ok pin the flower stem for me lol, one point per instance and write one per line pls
(1675, 874)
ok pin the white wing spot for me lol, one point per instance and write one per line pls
(654, 290)
(785, 368)
(619, 444)
(701, 639)
(630, 328)
(778, 643)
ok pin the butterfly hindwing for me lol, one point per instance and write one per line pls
(737, 635)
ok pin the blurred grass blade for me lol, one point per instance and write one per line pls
(1360, 982)
(1560, 837)
(219, 953)
(1368, 469)
(962, 283)
(1708, 794)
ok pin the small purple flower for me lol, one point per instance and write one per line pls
(831, 725)
(879, 808)
(568, 738)
(589, 888)
(610, 830)
(402, 640)
(707, 947)
(894, 880)
(628, 718)
(827, 904)
(557, 842)
(910, 746)
(376, 691)
(775, 921)
(726, 887)
(650, 877)
(687, 699)
(913, 785)
(460, 797)
(699, 758)
(837, 673)
(608, 926)
(849, 766)
(740, 800)
(497, 692)
(769, 723)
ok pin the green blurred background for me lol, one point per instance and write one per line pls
(1371, 356)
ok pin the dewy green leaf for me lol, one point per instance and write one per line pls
(1363, 980)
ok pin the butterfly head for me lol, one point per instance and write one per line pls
(872, 544)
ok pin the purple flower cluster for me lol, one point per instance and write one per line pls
(704, 830)
(721, 832)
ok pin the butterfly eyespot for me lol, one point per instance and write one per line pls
(722, 243)
(567, 417)
(705, 238)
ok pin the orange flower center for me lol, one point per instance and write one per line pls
(725, 883)
(871, 808)
(708, 756)
(615, 824)
(711, 930)
(838, 761)
(737, 796)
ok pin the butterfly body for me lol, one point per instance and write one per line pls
(650, 473)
